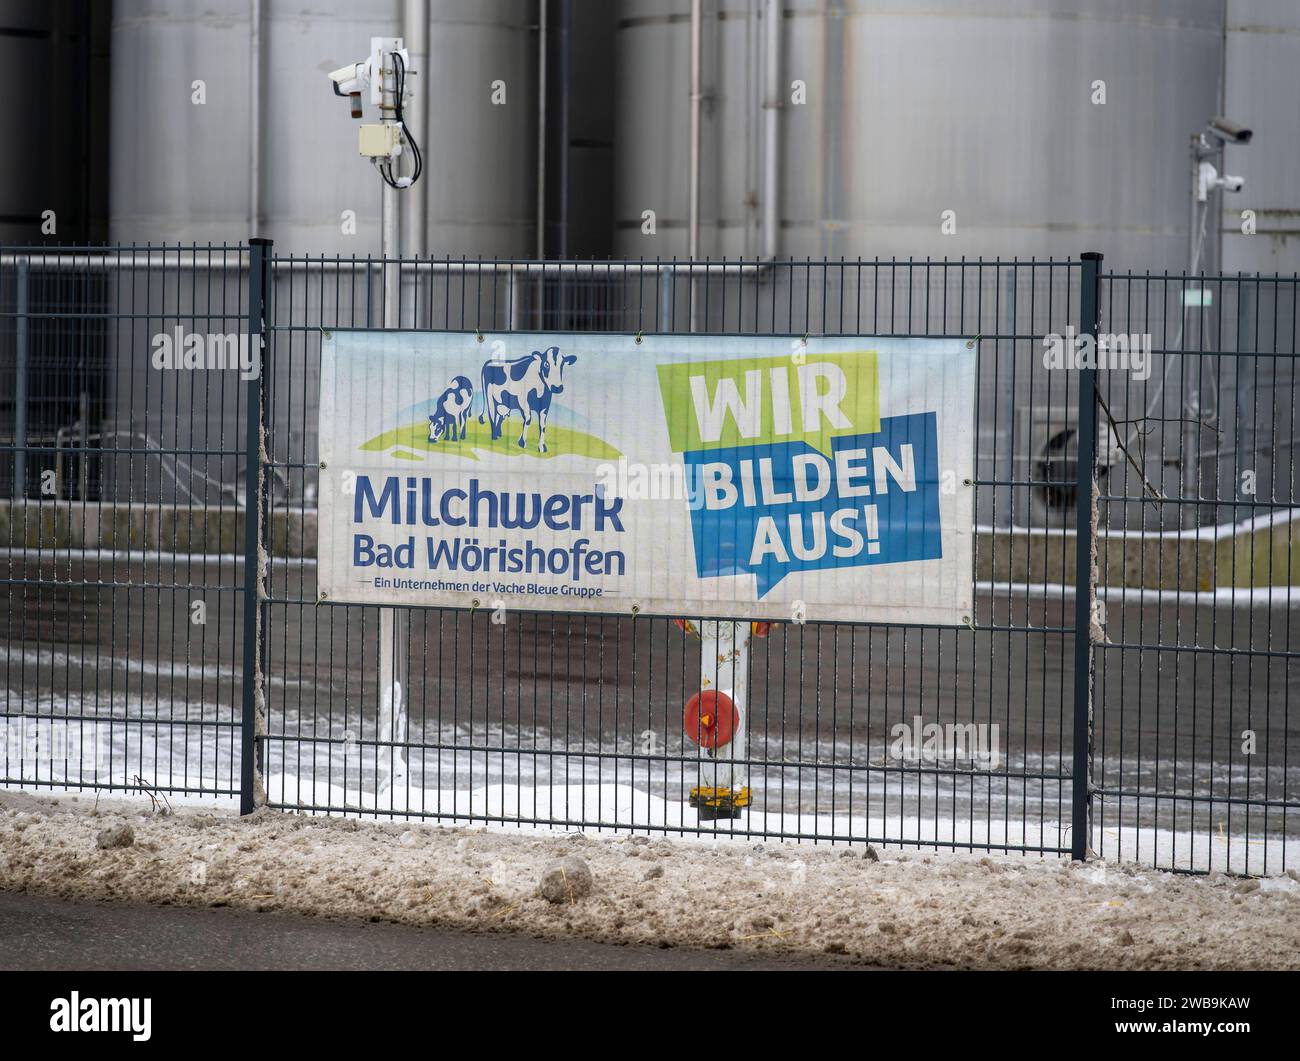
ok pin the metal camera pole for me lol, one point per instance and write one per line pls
(382, 76)
(715, 716)
(394, 624)
(1203, 243)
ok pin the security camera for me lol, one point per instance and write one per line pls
(1229, 131)
(344, 74)
(350, 81)
(1208, 179)
(383, 75)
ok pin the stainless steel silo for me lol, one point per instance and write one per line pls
(268, 151)
(1259, 237)
(1262, 90)
(982, 108)
(1046, 128)
(272, 151)
(482, 156)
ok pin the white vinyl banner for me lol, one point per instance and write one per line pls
(747, 477)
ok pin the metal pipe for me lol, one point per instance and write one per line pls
(390, 210)
(20, 383)
(730, 635)
(394, 625)
(390, 253)
(415, 35)
(565, 84)
(256, 125)
(1190, 479)
(541, 127)
(551, 268)
(55, 260)
(111, 260)
(1193, 225)
(693, 223)
(832, 134)
(772, 103)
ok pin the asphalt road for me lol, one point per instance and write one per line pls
(39, 933)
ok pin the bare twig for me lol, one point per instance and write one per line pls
(1146, 483)
(154, 794)
(1162, 419)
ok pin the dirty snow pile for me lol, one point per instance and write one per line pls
(915, 910)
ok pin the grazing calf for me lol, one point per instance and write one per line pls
(452, 410)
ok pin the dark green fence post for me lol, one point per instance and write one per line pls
(1085, 566)
(251, 791)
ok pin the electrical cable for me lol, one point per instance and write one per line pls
(418, 168)
(385, 166)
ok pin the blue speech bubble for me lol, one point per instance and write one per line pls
(774, 508)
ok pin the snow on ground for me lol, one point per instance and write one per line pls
(581, 788)
(624, 808)
(914, 910)
(621, 808)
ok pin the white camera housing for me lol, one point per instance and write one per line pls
(1208, 179)
(384, 70)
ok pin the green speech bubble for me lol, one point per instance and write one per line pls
(753, 401)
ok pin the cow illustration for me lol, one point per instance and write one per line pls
(525, 384)
(452, 410)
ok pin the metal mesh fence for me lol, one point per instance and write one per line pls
(560, 719)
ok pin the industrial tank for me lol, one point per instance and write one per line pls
(186, 172)
(1262, 38)
(982, 108)
(481, 159)
(1046, 127)
(1251, 403)
(272, 152)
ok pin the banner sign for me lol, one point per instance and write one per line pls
(749, 477)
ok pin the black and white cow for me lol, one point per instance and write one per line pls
(525, 384)
(451, 410)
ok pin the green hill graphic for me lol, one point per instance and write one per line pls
(560, 441)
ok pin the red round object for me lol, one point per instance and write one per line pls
(711, 719)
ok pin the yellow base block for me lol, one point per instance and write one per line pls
(720, 797)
